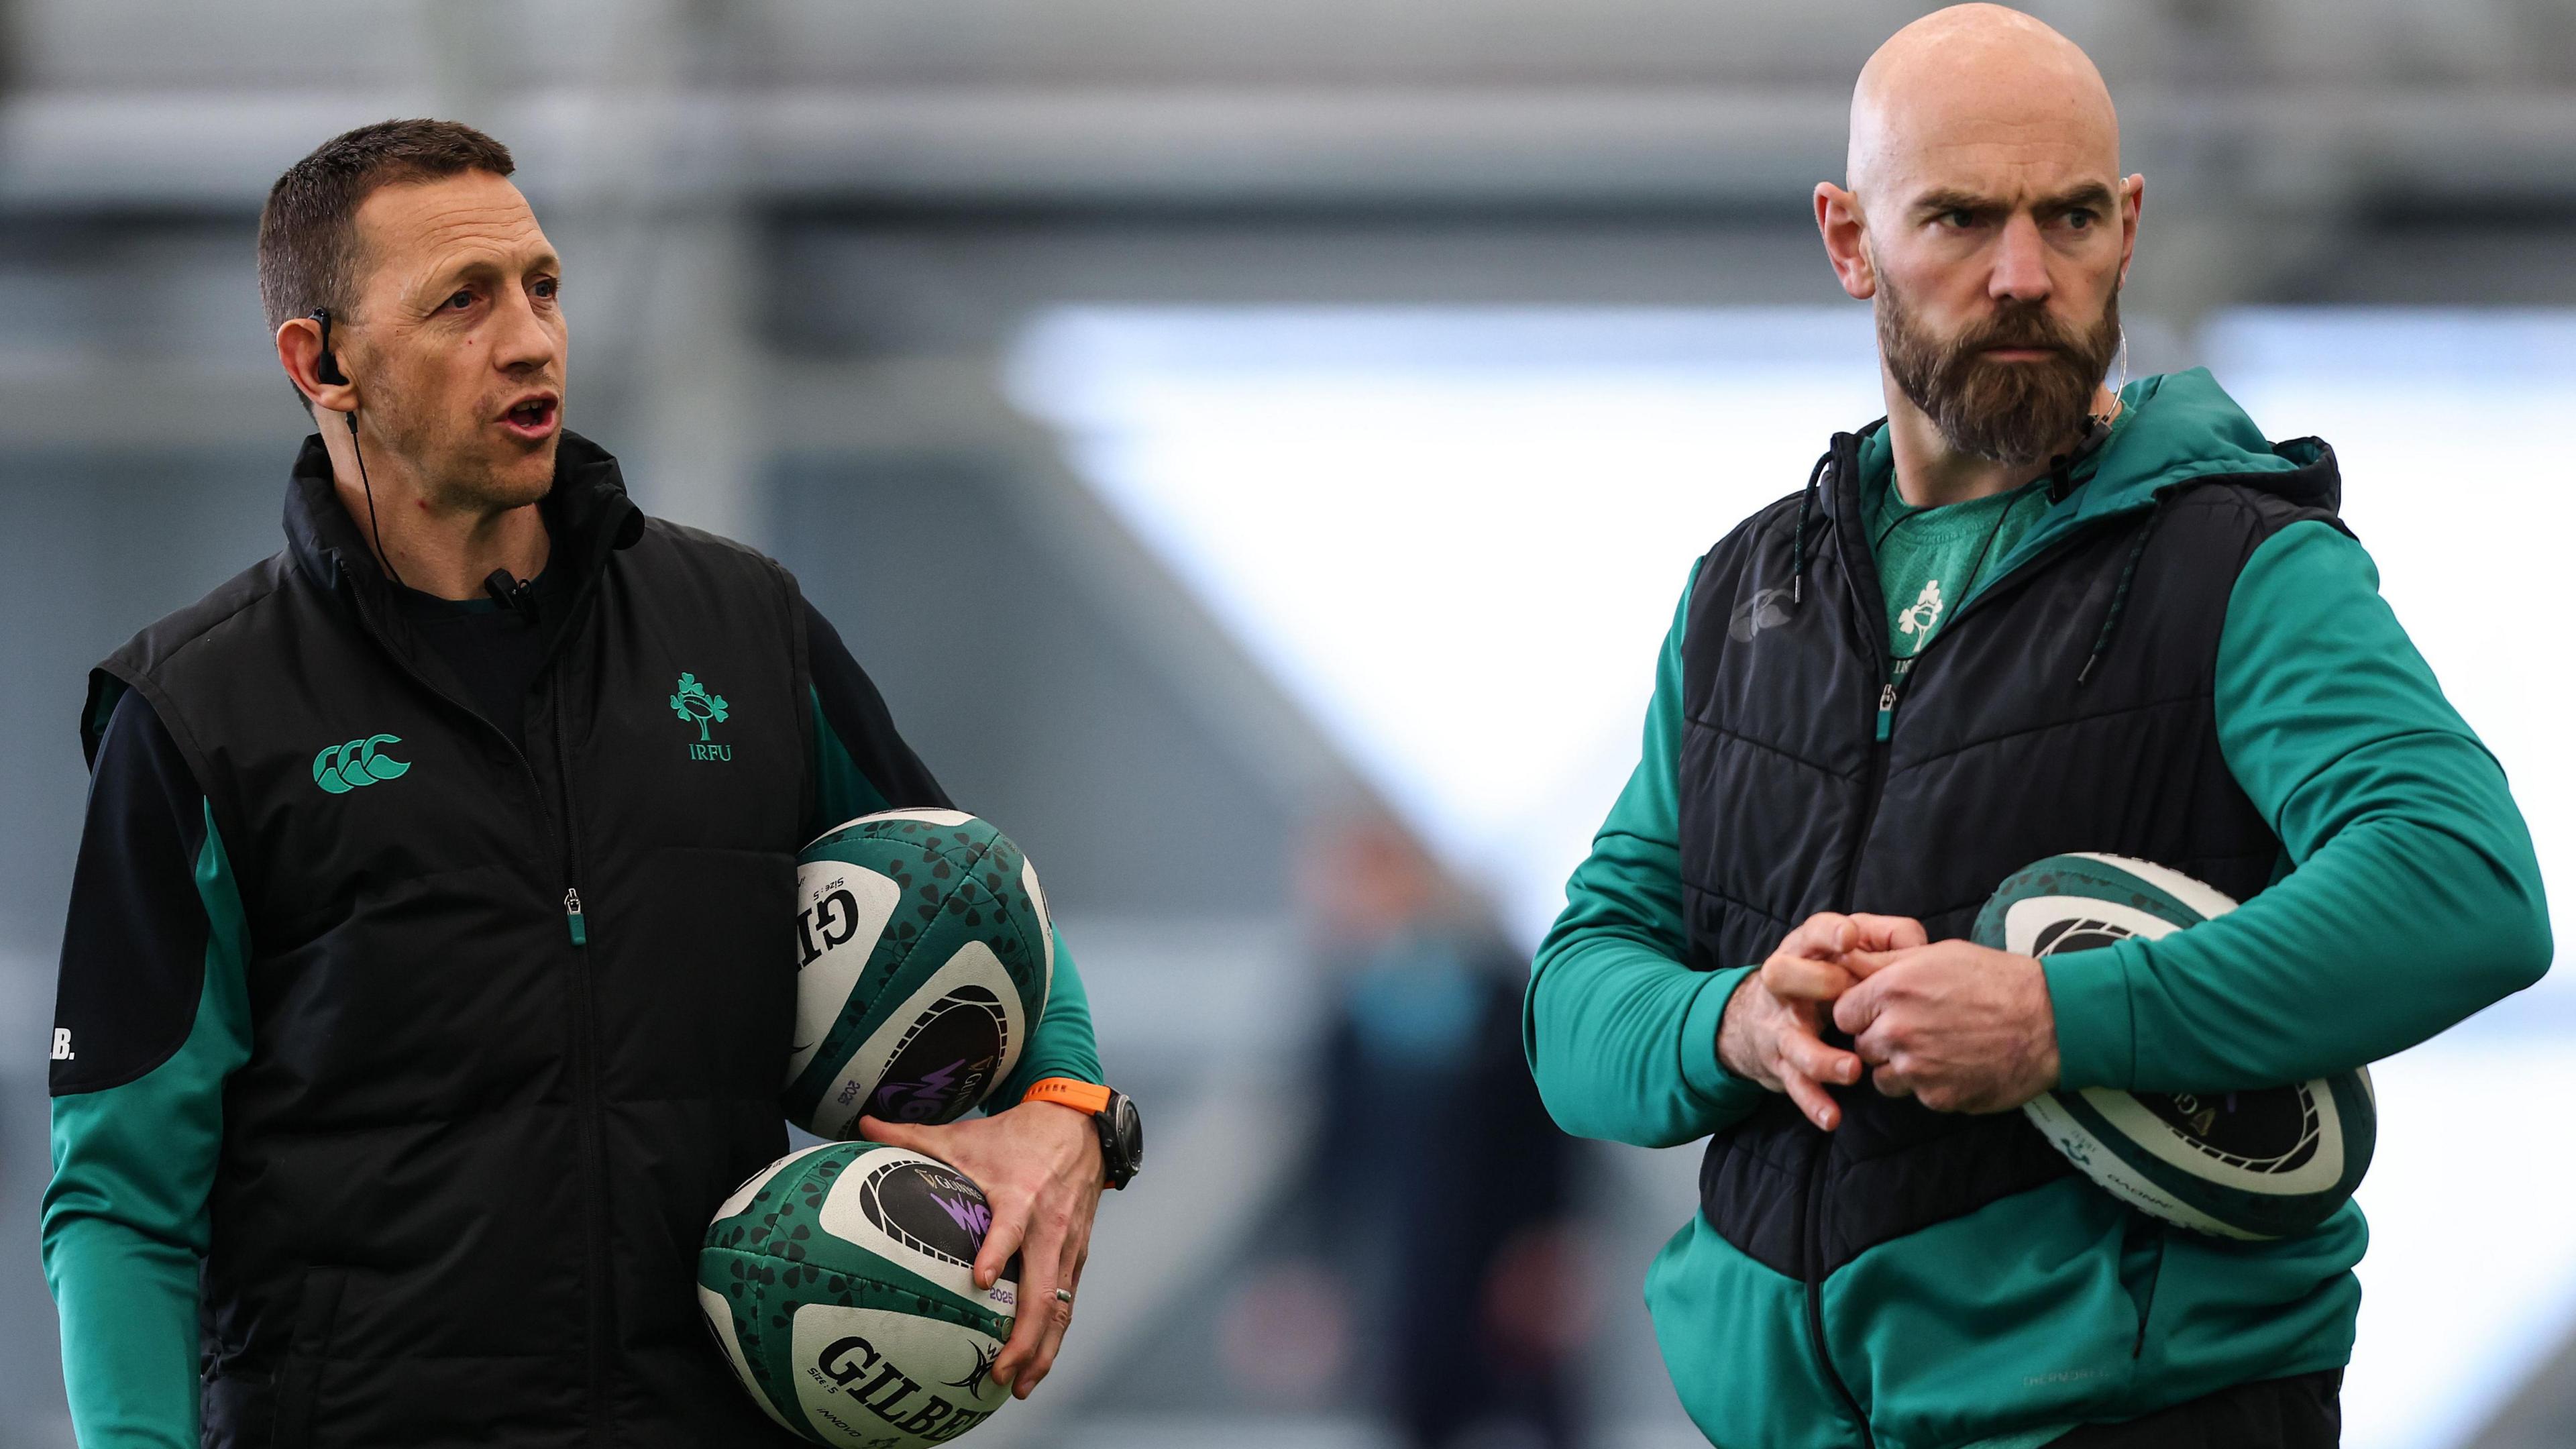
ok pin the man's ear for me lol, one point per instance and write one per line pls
(2133, 205)
(299, 351)
(1839, 221)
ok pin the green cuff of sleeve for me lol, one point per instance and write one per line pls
(1702, 1072)
(2097, 1044)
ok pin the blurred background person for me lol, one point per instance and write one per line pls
(1210, 419)
(1441, 1187)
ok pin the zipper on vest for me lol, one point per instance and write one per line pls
(1889, 694)
(585, 1051)
(1815, 1265)
(587, 1088)
(1812, 1251)
(1860, 578)
(1813, 1255)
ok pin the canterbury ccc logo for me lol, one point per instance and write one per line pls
(343, 768)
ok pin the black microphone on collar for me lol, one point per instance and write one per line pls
(513, 593)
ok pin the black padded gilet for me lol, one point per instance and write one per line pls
(468, 1165)
(2003, 750)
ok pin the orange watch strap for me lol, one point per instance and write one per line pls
(1086, 1097)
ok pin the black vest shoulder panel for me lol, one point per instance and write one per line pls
(2021, 733)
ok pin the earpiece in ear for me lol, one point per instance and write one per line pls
(326, 368)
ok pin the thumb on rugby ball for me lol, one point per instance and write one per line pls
(909, 1136)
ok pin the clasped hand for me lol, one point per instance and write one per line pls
(1957, 1026)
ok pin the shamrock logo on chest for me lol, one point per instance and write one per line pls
(695, 704)
(1919, 617)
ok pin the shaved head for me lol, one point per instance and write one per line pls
(1984, 216)
(1976, 73)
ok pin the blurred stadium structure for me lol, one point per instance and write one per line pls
(1216, 375)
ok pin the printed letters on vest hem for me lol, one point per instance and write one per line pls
(1997, 756)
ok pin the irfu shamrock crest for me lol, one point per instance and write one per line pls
(1923, 613)
(694, 702)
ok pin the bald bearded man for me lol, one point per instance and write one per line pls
(2022, 614)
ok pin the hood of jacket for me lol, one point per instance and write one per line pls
(2175, 429)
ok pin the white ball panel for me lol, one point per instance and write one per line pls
(2207, 899)
(873, 1379)
(845, 1216)
(847, 908)
(926, 817)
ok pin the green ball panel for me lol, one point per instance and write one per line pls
(2357, 1105)
(782, 1231)
(782, 1276)
(956, 883)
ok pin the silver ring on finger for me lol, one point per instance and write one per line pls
(1064, 1295)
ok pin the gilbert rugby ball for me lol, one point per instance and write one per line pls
(2258, 1164)
(924, 956)
(839, 1284)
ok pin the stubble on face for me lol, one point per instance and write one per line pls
(457, 471)
(434, 397)
(2014, 413)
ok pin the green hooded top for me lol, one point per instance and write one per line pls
(2406, 897)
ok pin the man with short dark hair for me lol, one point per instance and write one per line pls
(2025, 614)
(427, 984)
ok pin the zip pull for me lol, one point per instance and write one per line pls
(572, 917)
(1897, 670)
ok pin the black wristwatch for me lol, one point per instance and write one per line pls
(1113, 1114)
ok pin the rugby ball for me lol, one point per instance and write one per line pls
(2258, 1164)
(839, 1283)
(924, 957)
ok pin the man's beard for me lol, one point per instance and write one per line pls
(2015, 413)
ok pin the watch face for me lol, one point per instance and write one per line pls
(1131, 1134)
